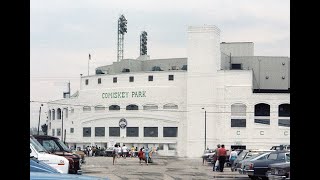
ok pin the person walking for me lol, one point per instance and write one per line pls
(222, 152)
(140, 155)
(215, 159)
(233, 156)
(124, 151)
(132, 151)
(114, 154)
(147, 155)
(119, 151)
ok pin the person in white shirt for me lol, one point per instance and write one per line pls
(124, 151)
(233, 156)
(119, 151)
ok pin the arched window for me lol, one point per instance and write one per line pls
(150, 107)
(114, 107)
(58, 113)
(284, 110)
(132, 107)
(262, 109)
(99, 108)
(262, 113)
(170, 106)
(238, 115)
(53, 114)
(86, 108)
(49, 114)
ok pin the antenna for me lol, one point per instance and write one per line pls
(122, 28)
(143, 43)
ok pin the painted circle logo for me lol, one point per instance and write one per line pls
(123, 123)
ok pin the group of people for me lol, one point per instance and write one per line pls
(143, 154)
(220, 157)
(91, 150)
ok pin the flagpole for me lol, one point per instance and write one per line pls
(88, 63)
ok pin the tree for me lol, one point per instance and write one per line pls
(44, 129)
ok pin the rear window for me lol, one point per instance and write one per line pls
(273, 156)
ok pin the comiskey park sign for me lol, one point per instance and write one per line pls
(124, 94)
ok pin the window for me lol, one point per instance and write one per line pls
(262, 121)
(284, 110)
(150, 131)
(150, 78)
(160, 146)
(132, 107)
(87, 81)
(170, 106)
(115, 79)
(125, 70)
(114, 131)
(132, 131)
(53, 114)
(238, 122)
(59, 132)
(99, 108)
(114, 107)
(58, 113)
(184, 67)
(99, 80)
(150, 107)
(49, 114)
(172, 147)
(53, 132)
(131, 79)
(86, 108)
(262, 110)
(99, 131)
(238, 110)
(284, 122)
(156, 68)
(170, 131)
(273, 156)
(71, 130)
(171, 77)
(87, 132)
(236, 66)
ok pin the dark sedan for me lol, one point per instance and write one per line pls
(279, 171)
(257, 169)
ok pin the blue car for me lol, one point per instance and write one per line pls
(38, 166)
(60, 176)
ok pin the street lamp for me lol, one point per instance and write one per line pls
(39, 118)
(205, 128)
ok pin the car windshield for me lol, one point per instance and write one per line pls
(37, 145)
(65, 148)
(242, 154)
(50, 145)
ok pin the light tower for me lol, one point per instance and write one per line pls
(143, 43)
(122, 28)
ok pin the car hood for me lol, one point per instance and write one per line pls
(51, 176)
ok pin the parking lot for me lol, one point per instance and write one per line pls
(167, 168)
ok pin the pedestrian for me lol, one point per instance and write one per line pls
(215, 159)
(119, 151)
(132, 151)
(222, 157)
(147, 155)
(124, 151)
(140, 155)
(114, 154)
(233, 156)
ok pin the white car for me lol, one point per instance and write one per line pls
(58, 162)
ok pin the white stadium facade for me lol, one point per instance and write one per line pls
(219, 94)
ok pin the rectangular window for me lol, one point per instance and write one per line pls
(160, 146)
(87, 81)
(59, 132)
(150, 131)
(150, 78)
(238, 122)
(99, 80)
(132, 131)
(99, 131)
(87, 132)
(131, 79)
(172, 147)
(171, 77)
(236, 66)
(115, 79)
(53, 132)
(170, 131)
(262, 121)
(71, 130)
(114, 131)
(284, 122)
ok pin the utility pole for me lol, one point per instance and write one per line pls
(39, 118)
(62, 124)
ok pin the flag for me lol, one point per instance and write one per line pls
(89, 57)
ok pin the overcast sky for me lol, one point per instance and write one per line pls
(64, 32)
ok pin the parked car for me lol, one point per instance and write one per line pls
(58, 176)
(245, 154)
(279, 171)
(38, 166)
(281, 147)
(57, 147)
(260, 156)
(257, 169)
(39, 152)
(208, 153)
(108, 151)
(81, 154)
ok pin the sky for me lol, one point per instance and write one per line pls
(64, 33)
